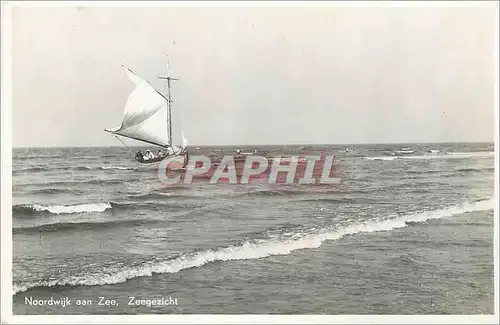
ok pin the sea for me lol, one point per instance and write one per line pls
(409, 230)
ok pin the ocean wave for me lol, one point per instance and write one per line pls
(94, 181)
(45, 169)
(475, 170)
(447, 171)
(431, 171)
(155, 205)
(27, 211)
(61, 209)
(79, 226)
(453, 224)
(176, 195)
(280, 192)
(409, 260)
(30, 169)
(82, 168)
(113, 181)
(38, 169)
(37, 156)
(159, 196)
(331, 200)
(250, 250)
(117, 167)
(54, 191)
(453, 155)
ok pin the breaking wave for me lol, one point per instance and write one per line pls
(149, 201)
(61, 209)
(250, 250)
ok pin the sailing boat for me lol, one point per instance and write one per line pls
(148, 118)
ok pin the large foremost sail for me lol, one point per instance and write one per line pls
(145, 117)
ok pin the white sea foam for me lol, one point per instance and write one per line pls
(77, 208)
(117, 167)
(259, 250)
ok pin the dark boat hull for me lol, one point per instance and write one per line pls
(141, 160)
(150, 161)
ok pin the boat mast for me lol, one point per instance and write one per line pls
(169, 102)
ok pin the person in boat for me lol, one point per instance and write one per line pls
(149, 155)
(139, 156)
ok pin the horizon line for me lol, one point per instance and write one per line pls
(268, 145)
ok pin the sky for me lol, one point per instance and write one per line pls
(257, 75)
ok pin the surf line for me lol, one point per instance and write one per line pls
(310, 169)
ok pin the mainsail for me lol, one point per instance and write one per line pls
(145, 117)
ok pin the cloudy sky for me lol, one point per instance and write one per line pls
(258, 75)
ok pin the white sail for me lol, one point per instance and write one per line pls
(184, 141)
(145, 117)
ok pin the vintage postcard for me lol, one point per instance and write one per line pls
(249, 162)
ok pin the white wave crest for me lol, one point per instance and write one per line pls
(117, 167)
(77, 208)
(259, 250)
(18, 288)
